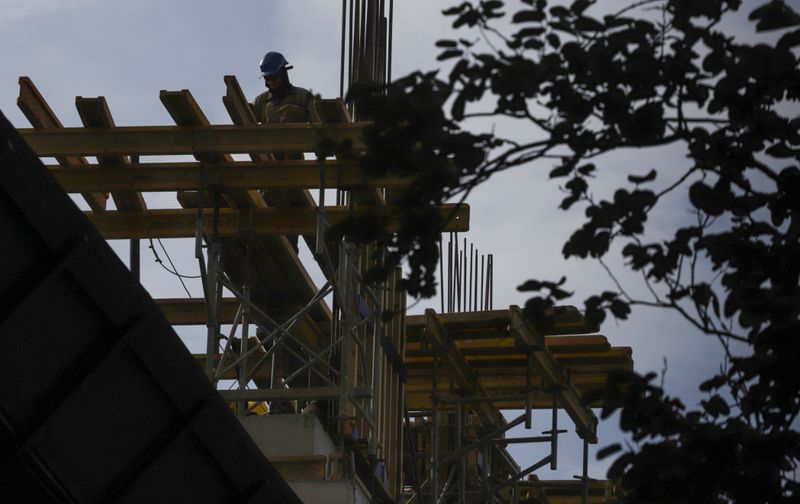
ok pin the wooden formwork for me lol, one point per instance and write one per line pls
(256, 252)
(495, 354)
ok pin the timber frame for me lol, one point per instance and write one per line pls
(414, 403)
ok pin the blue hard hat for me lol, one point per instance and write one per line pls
(272, 63)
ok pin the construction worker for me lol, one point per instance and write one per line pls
(283, 102)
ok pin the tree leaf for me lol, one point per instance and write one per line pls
(774, 15)
(578, 6)
(527, 16)
(608, 450)
(450, 53)
(651, 176)
(589, 24)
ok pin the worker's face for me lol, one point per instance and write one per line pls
(275, 82)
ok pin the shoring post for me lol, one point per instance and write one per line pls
(320, 245)
(345, 357)
(377, 360)
(585, 477)
(554, 435)
(135, 262)
(211, 325)
(529, 391)
(242, 406)
(435, 429)
(462, 463)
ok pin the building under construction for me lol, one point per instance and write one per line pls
(335, 401)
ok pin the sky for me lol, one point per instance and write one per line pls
(129, 51)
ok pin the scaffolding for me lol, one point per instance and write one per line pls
(414, 403)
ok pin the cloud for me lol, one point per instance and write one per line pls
(18, 10)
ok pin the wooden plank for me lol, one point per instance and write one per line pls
(485, 319)
(505, 345)
(174, 140)
(41, 116)
(558, 320)
(163, 177)
(615, 358)
(546, 365)
(94, 113)
(180, 223)
(506, 379)
(185, 111)
(182, 311)
(539, 401)
(236, 103)
(569, 491)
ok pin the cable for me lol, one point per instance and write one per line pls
(174, 270)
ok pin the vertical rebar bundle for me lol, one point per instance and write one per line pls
(466, 281)
(367, 35)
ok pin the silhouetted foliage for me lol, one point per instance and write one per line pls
(584, 82)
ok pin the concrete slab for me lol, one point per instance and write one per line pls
(288, 435)
(330, 492)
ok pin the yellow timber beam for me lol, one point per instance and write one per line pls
(569, 491)
(553, 376)
(159, 177)
(460, 371)
(185, 111)
(41, 116)
(199, 140)
(181, 311)
(181, 223)
(95, 113)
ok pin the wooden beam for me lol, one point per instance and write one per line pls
(569, 491)
(162, 177)
(41, 116)
(558, 320)
(460, 371)
(180, 223)
(505, 345)
(235, 102)
(174, 140)
(185, 111)
(94, 113)
(553, 376)
(182, 311)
